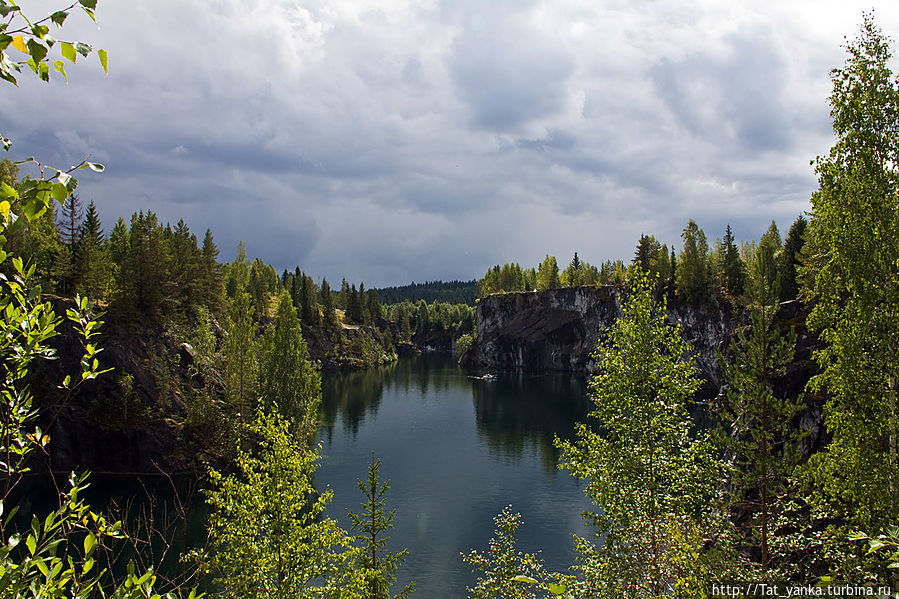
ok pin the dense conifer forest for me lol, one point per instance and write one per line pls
(679, 503)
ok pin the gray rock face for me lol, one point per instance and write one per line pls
(557, 330)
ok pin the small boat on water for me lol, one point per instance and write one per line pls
(484, 377)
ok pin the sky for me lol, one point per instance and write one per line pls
(390, 141)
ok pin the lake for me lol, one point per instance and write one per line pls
(456, 452)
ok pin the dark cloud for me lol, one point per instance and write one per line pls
(388, 141)
(509, 74)
(730, 98)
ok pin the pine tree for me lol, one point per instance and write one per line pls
(373, 523)
(757, 421)
(66, 267)
(373, 306)
(343, 297)
(354, 306)
(185, 267)
(364, 316)
(69, 225)
(145, 269)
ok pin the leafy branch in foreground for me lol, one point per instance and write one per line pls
(33, 39)
(268, 533)
(645, 471)
(507, 572)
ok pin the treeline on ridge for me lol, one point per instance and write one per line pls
(698, 273)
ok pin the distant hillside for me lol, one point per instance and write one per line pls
(453, 292)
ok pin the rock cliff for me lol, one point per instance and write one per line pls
(557, 330)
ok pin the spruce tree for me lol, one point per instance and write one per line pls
(94, 265)
(212, 282)
(328, 313)
(374, 522)
(734, 269)
(790, 259)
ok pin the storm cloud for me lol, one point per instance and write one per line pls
(391, 141)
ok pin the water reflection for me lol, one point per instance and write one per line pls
(355, 396)
(518, 411)
(513, 413)
(456, 451)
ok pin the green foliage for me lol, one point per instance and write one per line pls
(506, 572)
(734, 270)
(238, 273)
(790, 259)
(757, 423)
(855, 288)
(268, 533)
(288, 383)
(239, 357)
(261, 284)
(463, 344)
(93, 267)
(453, 292)
(508, 277)
(329, 316)
(763, 279)
(645, 472)
(373, 522)
(653, 258)
(428, 318)
(692, 265)
(55, 556)
(32, 38)
(548, 274)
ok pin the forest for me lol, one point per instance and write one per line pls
(685, 496)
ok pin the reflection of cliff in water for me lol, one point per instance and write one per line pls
(520, 411)
(356, 395)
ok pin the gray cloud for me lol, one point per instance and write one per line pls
(391, 140)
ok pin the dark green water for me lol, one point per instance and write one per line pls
(456, 451)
